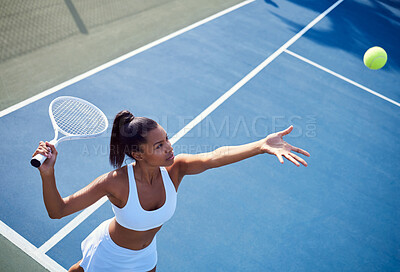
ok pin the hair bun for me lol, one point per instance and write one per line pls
(126, 115)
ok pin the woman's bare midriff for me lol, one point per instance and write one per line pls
(131, 239)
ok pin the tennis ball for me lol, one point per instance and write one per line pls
(375, 58)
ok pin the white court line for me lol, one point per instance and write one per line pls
(117, 60)
(71, 225)
(29, 249)
(67, 229)
(252, 74)
(342, 77)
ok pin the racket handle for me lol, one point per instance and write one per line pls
(38, 160)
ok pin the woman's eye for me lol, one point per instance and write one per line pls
(160, 145)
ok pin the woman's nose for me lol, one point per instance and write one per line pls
(169, 147)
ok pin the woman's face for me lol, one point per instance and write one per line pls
(158, 150)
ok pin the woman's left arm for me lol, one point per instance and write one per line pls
(272, 144)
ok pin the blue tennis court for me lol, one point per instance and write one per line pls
(252, 70)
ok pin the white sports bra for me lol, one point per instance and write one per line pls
(133, 216)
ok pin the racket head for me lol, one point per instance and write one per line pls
(77, 118)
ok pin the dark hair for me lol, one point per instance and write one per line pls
(128, 133)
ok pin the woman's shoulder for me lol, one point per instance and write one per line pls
(116, 182)
(116, 178)
(174, 170)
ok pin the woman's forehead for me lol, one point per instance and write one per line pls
(156, 134)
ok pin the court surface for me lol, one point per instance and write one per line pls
(252, 70)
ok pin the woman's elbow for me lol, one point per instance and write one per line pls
(54, 215)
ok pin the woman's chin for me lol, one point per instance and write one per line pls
(170, 161)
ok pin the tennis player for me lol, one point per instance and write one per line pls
(143, 194)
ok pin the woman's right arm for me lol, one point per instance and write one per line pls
(58, 207)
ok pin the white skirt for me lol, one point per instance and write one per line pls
(100, 253)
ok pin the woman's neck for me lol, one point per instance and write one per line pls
(146, 173)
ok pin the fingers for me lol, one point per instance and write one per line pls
(45, 149)
(42, 151)
(51, 147)
(301, 151)
(293, 158)
(286, 131)
(280, 158)
(290, 158)
(303, 162)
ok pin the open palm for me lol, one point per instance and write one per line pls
(275, 145)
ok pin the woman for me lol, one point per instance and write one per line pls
(142, 194)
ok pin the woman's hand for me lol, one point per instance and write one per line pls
(275, 145)
(48, 150)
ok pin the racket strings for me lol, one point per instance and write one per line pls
(83, 120)
(76, 118)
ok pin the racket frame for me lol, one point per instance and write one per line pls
(39, 159)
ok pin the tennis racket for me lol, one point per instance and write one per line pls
(76, 119)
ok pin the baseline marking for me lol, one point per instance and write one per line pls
(76, 221)
(343, 78)
(30, 249)
(117, 60)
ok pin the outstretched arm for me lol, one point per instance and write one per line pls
(272, 144)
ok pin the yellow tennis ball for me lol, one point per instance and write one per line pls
(375, 58)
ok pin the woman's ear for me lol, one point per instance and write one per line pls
(138, 156)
